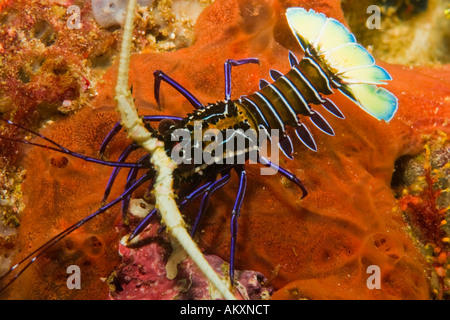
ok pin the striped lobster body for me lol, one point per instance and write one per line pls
(278, 104)
(333, 60)
(274, 107)
(290, 94)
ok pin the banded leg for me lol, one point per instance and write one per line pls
(190, 197)
(160, 75)
(206, 196)
(235, 215)
(130, 148)
(290, 176)
(194, 194)
(231, 63)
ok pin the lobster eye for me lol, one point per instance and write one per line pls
(165, 125)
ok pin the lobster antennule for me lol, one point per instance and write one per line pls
(61, 149)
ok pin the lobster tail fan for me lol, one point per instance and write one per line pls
(376, 101)
(348, 56)
(350, 66)
(367, 74)
(305, 25)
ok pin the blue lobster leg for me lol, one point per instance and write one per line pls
(130, 148)
(130, 180)
(160, 75)
(190, 197)
(231, 63)
(206, 196)
(193, 195)
(290, 176)
(235, 215)
(117, 127)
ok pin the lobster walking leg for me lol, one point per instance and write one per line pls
(205, 200)
(132, 147)
(231, 63)
(235, 214)
(190, 197)
(290, 176)
(130, 180)
(160, 75)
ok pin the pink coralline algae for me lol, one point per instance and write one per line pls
(143, 274)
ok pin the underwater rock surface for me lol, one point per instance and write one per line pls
(145, 273)
(317, 248)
